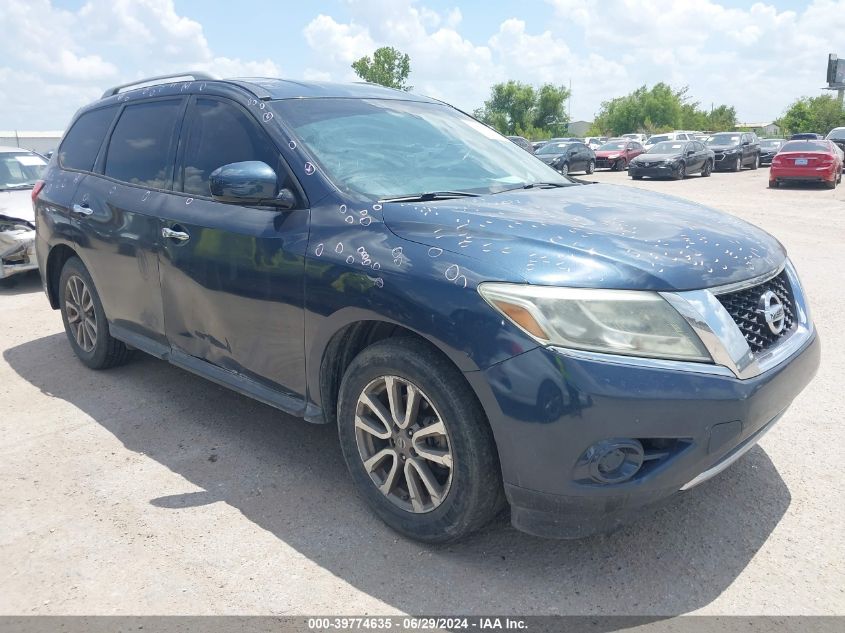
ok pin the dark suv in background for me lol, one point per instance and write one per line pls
(481, 329)
(735, 150)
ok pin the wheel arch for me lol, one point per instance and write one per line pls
(56, 259)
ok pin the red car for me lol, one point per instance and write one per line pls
(807, 160)
(617, 153)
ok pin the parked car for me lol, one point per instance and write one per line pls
(568, 156)
(19, 171)
(806, 136)
(617, 154)
(594, 142)
(768, 148)
(807, 161)
(522, 142)
(735, 150)
(667, 136)
(837, 136)
(673, 159)
(639, 138)
(481, 329)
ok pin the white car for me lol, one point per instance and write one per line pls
(594, 142)
(668, 136)
(639, 138)
(19, 170)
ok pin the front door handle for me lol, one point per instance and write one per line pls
(180, 236)
(82, 210)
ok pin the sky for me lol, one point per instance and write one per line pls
(57, 55)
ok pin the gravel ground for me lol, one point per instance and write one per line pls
(147, 490)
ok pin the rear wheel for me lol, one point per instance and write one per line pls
(773, 184)
(832, 184)
(84, 320)
(756, 162)
(707, 169)
(417, 443)
(591, 167)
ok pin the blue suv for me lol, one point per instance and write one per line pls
(484, 331)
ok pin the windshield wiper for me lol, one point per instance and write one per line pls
(430, 195)
(532, 185)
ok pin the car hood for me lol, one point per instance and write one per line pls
(604, 153)
(548, 158)
(596, 235)
(651, 158)
(17, 204)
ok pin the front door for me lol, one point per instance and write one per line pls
(231, 275)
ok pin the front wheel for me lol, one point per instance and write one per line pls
(737, 166)
(620, 165)
(707, 169)
(84, 320)
(682, 172)
(564, 169)
(591, 167)
(417, 443)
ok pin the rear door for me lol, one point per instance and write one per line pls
(116, 216)
(232, 282)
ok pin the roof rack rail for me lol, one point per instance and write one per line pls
(196, 75)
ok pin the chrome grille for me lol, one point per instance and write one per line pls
(744, 308)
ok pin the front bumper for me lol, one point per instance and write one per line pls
(726, 161)
(654, 171)
(17, 251)
(548, 407)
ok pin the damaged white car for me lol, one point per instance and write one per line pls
(19, 171)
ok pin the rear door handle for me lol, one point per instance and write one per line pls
(82, 210)
(180, 236)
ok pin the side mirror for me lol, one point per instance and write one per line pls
(249, 182)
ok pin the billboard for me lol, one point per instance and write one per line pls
(835, 71)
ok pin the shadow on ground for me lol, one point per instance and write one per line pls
(288, 477)
(21, 284)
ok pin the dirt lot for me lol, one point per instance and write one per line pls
(146, 490)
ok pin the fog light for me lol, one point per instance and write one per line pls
(614, 461)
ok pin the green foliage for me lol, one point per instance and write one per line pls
(812, 114)
(388, 66)
(516, 108)
(659, 109)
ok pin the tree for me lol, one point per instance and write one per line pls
(388, 67)
(520, 109)
(659, 109)
(812, 114)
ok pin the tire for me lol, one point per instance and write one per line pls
(707, 169)
(773, 184)
(564, 169)
(591, 167)
(737, 166)
(473, 486)
(682, 172)
(832, 184)
(80, 304)
(756, 162)
(620, 165)
(637, 177)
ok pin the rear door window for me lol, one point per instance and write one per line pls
(220, 133)
(82, 143)
(141, 149)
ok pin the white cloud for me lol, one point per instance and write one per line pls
(61, 60)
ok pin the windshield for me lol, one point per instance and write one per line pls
(723, 139)
(385, 148)
(667, 147)
(20, 170)
(838, 134)
(805, 146)
(553, 148)
(657, 139)
(614, 145)
(771, 143)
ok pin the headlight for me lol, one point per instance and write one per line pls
(732, 151)
(630, 322)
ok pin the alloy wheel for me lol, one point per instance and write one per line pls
(565, 169)
(403, 444)
(81, 317)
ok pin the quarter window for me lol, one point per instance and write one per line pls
(82, 143)
(221, 133)
(141, 146)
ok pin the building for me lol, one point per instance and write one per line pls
(40, 142)
(578, 128)
(761, 129)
